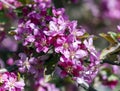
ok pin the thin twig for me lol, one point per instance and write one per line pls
(8, 4)
(111, 62)
(91, 89)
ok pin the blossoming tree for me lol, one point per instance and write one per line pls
(42, 49)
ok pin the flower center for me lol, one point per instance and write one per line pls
(69, 69)
(72, 54)
(26, 63)
(65, 45)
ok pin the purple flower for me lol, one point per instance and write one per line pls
(10, 61)
(74, 52)
(43, 4)
(70, 67)
(56, 27)
(37, 69)
(42, 44)
(74, 30)
(10, 44)
(10, 82)
(29, 39)
(89, 45)
(24, 63)
(58, 12)
(62, 44)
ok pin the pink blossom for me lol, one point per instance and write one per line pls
(42, 44)
(74, 30)
(58, 12)
(62, 44)
(24, 63)
(43, 4)
(74, 52)
(56, 27)
(10, 82)
(70, 67)
(10, 61)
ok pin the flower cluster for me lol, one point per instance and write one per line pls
(49, 29)
(31, 65)
(41, 85)
(47, 46)
(10, 82)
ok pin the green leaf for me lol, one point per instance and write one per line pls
(86, 35)
(12, 33)
(25, 1)
(22, 1)
(109, 37)
(18, 75)
(113, 35)
(118, 35)
(111, 50)
(112, 77)
(3, 18)
(49, 11)
(50, 64)
(18, 11)
(47, 77)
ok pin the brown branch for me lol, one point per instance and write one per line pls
(8, 4)
(111, 62)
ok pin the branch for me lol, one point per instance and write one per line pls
(110, 50)
(91, 89)
(111, 62)
(9, 69)
(8, 4)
